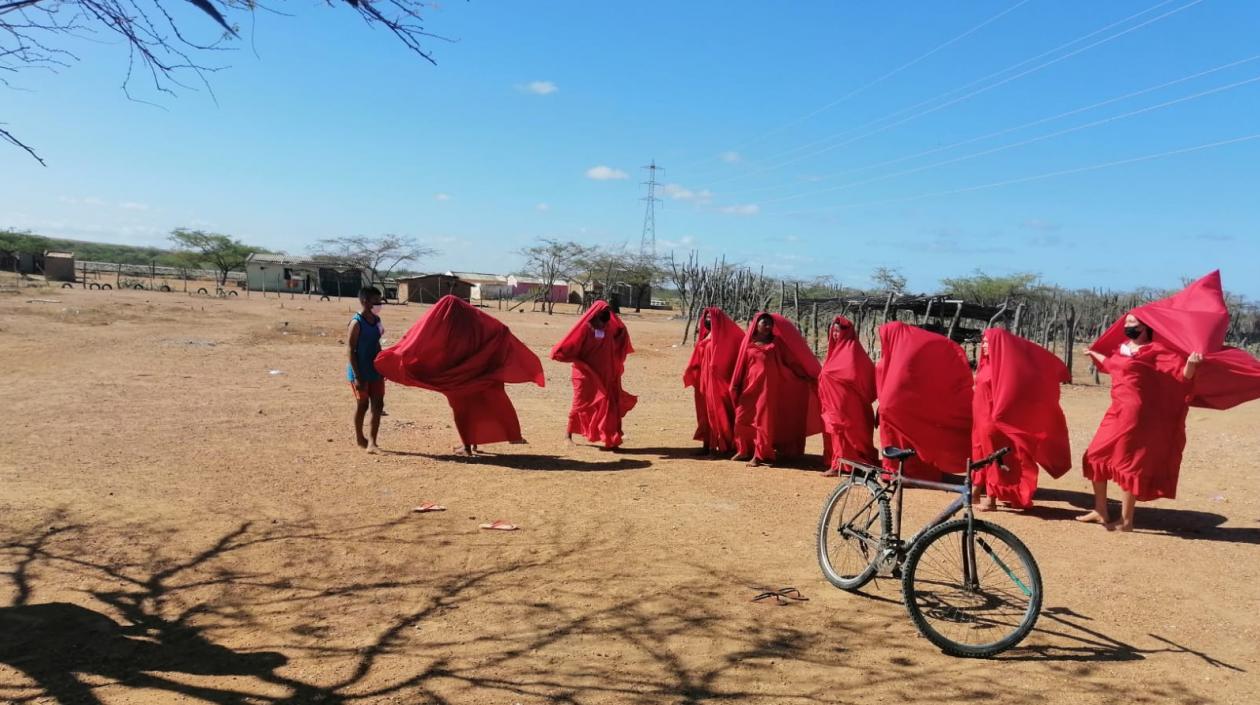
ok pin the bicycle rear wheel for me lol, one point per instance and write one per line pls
(851, 532)
(975, 616)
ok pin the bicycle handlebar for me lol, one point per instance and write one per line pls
(992, 457)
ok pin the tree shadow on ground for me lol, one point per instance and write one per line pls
(152, 617)
(536, 462)
(1165, 521)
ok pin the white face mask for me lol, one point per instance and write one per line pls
(376, 310)
(599, 334)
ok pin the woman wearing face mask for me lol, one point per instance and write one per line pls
(597, 347)
(708, 373)
(774, 386)
(1140, 440)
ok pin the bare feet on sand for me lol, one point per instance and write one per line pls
(1119, 526)
(373, 449)
(755, 463)
(363, 442)
(1093, 518)
(986, 504)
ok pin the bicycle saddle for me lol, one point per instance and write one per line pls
(895, 453)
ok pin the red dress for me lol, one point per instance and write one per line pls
(775, 391)
(598, 362)
(1140, 440)
(468, 356)
(924, 384)
(846, 392)
(709, 373)
(1016, 406)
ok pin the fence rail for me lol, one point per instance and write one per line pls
(145, 270)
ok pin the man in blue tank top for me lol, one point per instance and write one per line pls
(364, 342)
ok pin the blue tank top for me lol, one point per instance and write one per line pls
(365, 352)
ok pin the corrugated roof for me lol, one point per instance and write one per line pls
(268, 258)
(481, 276)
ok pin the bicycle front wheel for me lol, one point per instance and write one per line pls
(974, 599)
(851, 533)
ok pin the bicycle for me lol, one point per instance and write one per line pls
(967, 603)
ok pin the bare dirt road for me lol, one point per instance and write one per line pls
(184, 517)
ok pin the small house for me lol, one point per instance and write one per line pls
(283, 273)
(59, 266)
(532, 286)
(485, 287)
(429, 288)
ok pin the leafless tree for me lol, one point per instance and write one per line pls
(159, 40)
(378, 256)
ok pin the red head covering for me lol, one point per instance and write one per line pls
(724, 336)
(1023, 381)
(796, 350)
(846, 391)
(570, 344)
(1195, 320)
(924, 382)
(455, 348)
(847, 361)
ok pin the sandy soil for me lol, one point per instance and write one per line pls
(179, 523)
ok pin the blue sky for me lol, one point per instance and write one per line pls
(935, 153)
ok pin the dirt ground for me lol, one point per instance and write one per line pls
(184, 517)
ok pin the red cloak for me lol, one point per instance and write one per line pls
(924, 384)
(775, 391)
(599, 402)
(709, 374)
(468, 356)
(1016, 406)
(1141, 438)
(1195, 320)
(846, 392)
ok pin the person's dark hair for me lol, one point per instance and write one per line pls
(766, 317)
(1149, 330)
(368, 292)
(604, 316)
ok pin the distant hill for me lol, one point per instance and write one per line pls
(12, 242)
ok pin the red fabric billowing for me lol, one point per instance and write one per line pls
(846, 393)
(709, 374)
(1140, 440)
(599, 402)
(1016, 405)
(775, 391)
(924, 384)
(468, 356)
(1195, 320)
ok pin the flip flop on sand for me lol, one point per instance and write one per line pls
(782, 596)
(429, 507)
(499, 525)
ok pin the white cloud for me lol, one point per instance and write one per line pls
(731, 157)
(605, 173)
(742, 209)
(538, 87)
(542, 207)
(133, 206)
(441, 196)
(679, 192)
(93, 201)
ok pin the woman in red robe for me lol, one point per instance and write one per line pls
(774, 386)
(1174, 357)
(924, 382)
(597, 348)
(1016, 406)
(709, 373)
(468, 356)
(846, 392)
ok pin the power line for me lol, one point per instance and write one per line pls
(1035, 177)
(976, 92)
(1021, 143)
(872, 83)
(999, 133)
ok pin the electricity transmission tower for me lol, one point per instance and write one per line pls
(647, 246)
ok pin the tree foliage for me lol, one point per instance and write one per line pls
(164, 45)
(552, 261)
(221, 252)
(989, 290)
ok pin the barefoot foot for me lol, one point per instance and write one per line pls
(363, 442)
(1093, 518)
